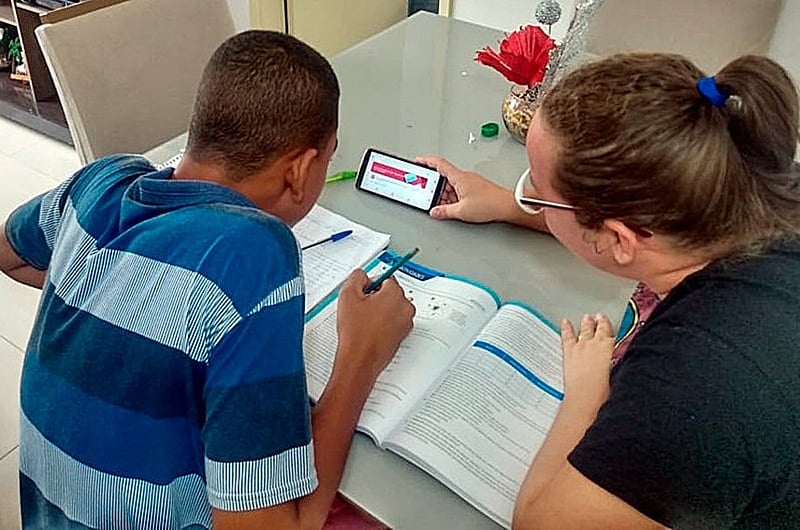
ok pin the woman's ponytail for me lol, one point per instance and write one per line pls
(763, 112)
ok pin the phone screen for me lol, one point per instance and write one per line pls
(399, 179)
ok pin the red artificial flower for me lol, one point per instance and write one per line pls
(523, 56)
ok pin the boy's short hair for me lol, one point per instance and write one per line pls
(263, 94)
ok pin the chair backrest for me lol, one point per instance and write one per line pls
(127, 74)
(709, 32)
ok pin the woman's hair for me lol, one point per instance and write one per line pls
(262, 95)
(639, 143)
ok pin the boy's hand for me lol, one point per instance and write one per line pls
(469, 196)
(371, 326)
(587, 361)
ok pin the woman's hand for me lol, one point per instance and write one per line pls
(469, 196)
(473, 198)
(587, 362)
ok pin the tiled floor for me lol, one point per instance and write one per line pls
(29, 164)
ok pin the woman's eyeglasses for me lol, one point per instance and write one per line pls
(533, 206)
(530, 205)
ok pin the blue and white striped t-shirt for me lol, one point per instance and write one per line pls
(164, 374)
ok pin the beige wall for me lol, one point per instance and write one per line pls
(266, 14)
(330, 25)
(785, 45)
(710, 32)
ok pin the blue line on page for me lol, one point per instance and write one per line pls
(527, 374)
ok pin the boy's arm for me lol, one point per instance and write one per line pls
(15, 267)
(333, 423)
(370, 330)
(29, 233)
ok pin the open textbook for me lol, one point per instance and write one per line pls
(471, 393)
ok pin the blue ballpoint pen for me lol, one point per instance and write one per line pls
(334, 238)
(376, 283)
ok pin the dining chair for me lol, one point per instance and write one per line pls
(127, 71)
(709, 32)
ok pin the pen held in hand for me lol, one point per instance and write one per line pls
(334, 238)
(376, 283)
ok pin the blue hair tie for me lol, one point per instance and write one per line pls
(707, 86)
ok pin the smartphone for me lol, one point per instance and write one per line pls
(400, 180)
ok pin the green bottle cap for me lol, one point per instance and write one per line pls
(490, 129)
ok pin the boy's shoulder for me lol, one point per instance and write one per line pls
(96, 189)
(104, 172)
(244, 251)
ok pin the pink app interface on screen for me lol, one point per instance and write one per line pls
(400, 180)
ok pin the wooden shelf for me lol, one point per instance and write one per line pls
(74, 10)
(32, 9)
(34, 104)
(7, 14)
(16, 93)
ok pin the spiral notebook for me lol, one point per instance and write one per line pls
(172, 162)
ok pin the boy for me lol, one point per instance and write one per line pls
(163, 385)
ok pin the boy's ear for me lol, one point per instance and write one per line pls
(624, 241)
(298, 171)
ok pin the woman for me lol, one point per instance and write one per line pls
(647, 170)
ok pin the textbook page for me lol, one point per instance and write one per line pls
(450, 312)
(479, 429)
(328, 265)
